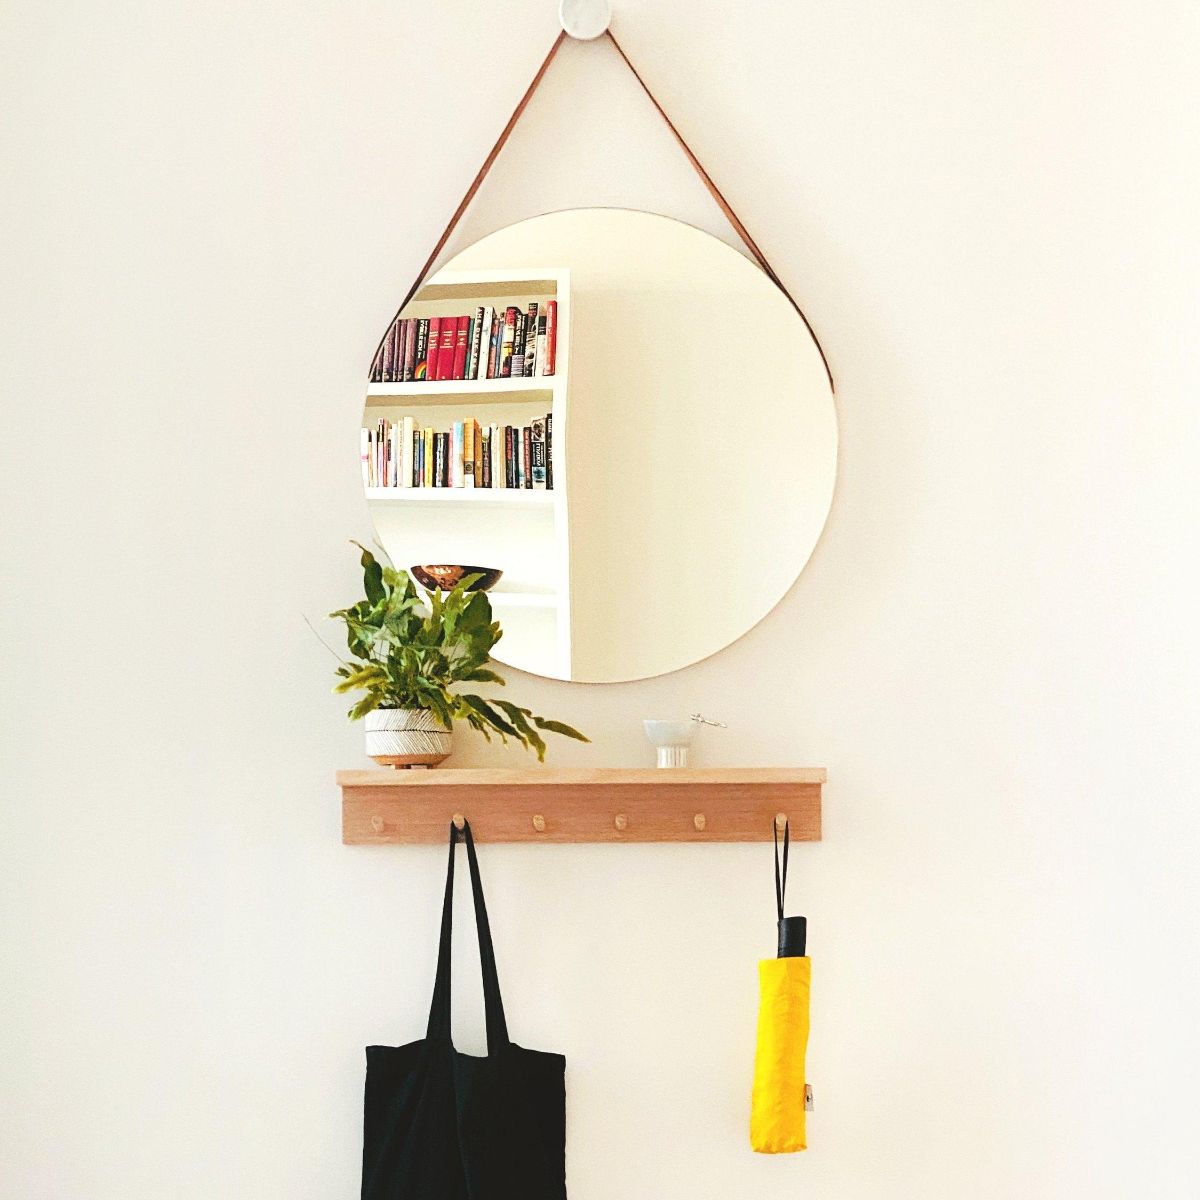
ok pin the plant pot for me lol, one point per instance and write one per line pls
(406, 737)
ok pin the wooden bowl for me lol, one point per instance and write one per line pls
(444, 576)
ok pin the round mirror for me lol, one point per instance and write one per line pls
(622, 420)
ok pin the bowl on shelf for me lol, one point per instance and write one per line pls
(444, 576)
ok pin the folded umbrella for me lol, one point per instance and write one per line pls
(777, 1124)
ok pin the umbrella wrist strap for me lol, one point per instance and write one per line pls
(781, 874)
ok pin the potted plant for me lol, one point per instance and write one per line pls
(409, 651)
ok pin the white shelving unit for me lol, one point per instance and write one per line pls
(524, 599)
(523, 497)
(522, 531)
(454, 391)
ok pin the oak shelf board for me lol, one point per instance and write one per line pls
(739, 804)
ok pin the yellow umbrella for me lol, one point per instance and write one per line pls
(778, 1103)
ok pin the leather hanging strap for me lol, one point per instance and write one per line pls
(724, 206)
(481, 174)
(705, 177)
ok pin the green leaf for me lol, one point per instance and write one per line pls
(529, 735)
(481, 675)
(489, 714)
(372, 577)
(367, 704)
(559, 727)
(368, 677)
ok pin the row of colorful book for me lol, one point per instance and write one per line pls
(400, 454)
(494, 343)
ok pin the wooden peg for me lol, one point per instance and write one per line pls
(458, 819)
(699, 822)
(621, 822)
(781, 821)
(377, 823)
(539, 823)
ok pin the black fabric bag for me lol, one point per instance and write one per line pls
(440, 1125)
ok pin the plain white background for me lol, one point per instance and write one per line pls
(986, 208)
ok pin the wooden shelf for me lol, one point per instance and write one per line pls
(738, 804)
(538, 390)
(434, 495)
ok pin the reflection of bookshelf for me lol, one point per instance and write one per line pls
(454, 391)
(427, 495)
(523, 531)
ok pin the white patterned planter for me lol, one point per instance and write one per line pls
(406, 737)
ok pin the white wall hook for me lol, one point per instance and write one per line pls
(585, 19)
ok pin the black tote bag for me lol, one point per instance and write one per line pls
(440, 1125)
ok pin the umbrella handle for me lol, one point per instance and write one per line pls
(793, 931)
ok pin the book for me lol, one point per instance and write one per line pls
(397, 351)
(420, 358)
(386, 350)
(407, 431)
(477, 451)
(483, 470)
(458, 363)
(539, 365)
(408, 361)
(433, 347)
(454, 467)
(537, 454)
(551, 336)
(446, 343)
(550, 452)
(468, 453)
(472, 371)
(510, 462)
(526, 456)
(493, 367)
(483, 342)
(531, 330)
(427, 457)
(518, 354)
(441, 460)
(508, 336)
(364, 455)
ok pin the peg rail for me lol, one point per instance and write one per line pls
(738, 804)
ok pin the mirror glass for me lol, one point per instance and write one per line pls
(622, 416)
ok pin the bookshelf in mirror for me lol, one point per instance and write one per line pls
(469, 465)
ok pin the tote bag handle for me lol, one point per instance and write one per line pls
(439, 1012)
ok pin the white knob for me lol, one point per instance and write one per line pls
(584, 19)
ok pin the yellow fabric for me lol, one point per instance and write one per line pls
(777, 1106)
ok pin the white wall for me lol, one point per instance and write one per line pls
(987, 210)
